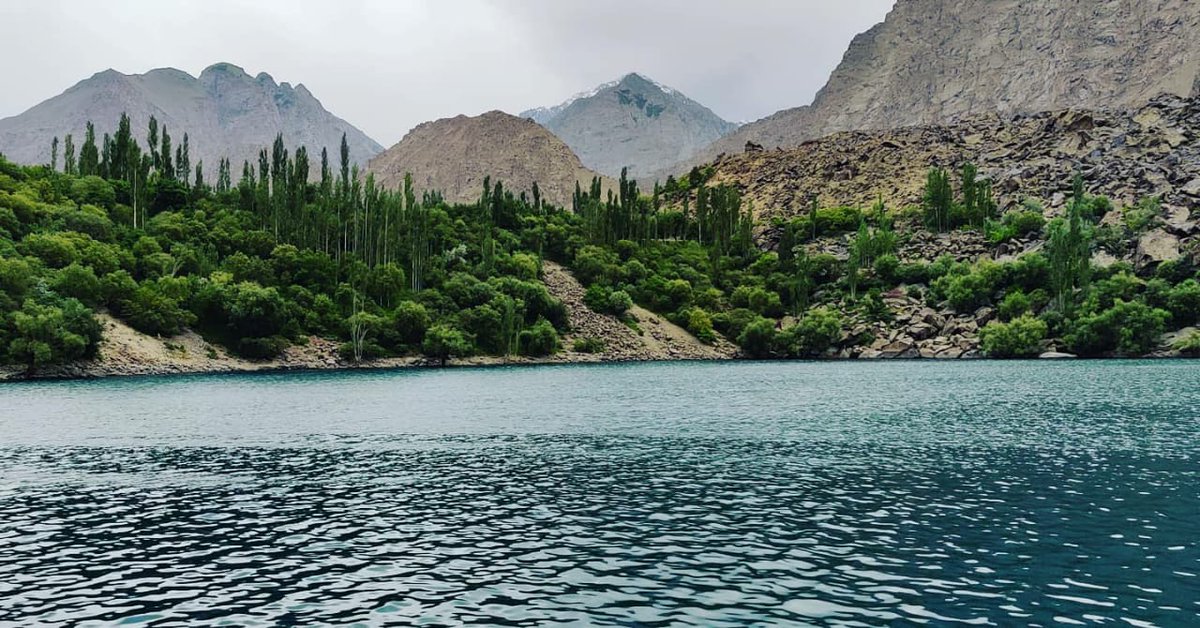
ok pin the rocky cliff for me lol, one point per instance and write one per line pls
(1126, 155)
(635, 123)
(225, 112)
(931, 61)
(454, 155)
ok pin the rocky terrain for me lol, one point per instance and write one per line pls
(224, 111)
(454, 156)
(1150, 151)
(932, 61)
(635, 123)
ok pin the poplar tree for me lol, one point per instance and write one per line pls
(89, 156)
(54, 154)
(69, 155)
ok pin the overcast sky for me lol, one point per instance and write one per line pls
(388, 65)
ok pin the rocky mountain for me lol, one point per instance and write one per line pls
(1153, 151)
(225, 112)
(454, 155)
(931, 61)
(635, 123)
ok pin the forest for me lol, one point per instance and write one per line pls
(299, 247)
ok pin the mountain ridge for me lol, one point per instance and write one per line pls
(932, 61)
(634, 122)
(225, 111)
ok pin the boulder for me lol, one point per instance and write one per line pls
(1156, 247)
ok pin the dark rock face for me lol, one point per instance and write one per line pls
(224, 111)
(632, 123)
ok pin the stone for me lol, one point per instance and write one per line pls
(1055, 355)
(1157, 246)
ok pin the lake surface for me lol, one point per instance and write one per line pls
(855, 494)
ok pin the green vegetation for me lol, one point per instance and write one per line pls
(282, 255)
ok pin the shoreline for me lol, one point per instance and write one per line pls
(82, 373)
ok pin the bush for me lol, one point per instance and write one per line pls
(1128, 328)
(813, 334)
(78, 282)
(1189, 345)
(1020, 338)
(262, 348)
(1016, 303)
(700, 324)
(43, 334)
(539, 340)
(409, 321)
(757, 340)
(588, 344)
(618, 302)
(443, 342)
(1183, 301)
(151, 312)
(1024, 223)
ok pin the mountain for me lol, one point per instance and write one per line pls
(1127, 156)
(225, 112)
(454, 155)
(931, 61)
(635, 123)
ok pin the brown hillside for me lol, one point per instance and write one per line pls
(454, 155)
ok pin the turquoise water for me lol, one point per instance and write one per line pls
(632, 495)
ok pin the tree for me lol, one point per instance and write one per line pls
(43, 334)
(69, 166)
(443, 342)
(1069, 249)
(89, 155)
(54, 153)
(1020, 338)
(938, 200)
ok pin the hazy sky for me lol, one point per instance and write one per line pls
(387, 65)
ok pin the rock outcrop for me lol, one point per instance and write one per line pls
(1153, 151)
(454, 155)
(634, 123)
(932, 61)
(224, 111)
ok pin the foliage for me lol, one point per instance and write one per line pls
(1127, 328)
(1022, 337)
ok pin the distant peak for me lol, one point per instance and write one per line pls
(228, 69)
(263, 77)
(640, 80)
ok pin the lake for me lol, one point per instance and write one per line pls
(709, 494)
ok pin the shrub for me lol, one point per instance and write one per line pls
(887, 268)
(700, 324)
(1189, 345)
(78, 282)
(1183, 301)
(813, 334)
(42, 334)
(588, 344)
(262, 348)
(757, 340)
(1016, 303)
(539, 340)
(152, 312)
(443, 342)
(1024, 223)
(1128, 328)
(409, 321)
(1020, 338)
(618, 302)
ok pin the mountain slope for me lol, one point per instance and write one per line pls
(1153, 151)
(225, 112)
(933, 60)
(454, 155)
(635, 123)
